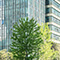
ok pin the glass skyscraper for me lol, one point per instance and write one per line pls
(42, 11)
(16, 9)
(1, 22)
(53, 17)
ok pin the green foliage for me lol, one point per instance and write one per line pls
(45, 32)
(26, 37)
(31, 41)
(46, 53)
(56, 47)
(4, 55)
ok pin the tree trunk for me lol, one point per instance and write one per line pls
(26, 56)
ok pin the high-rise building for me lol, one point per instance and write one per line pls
(53, 17)
(1, 23)
(16, 9)
(41, 10)
(1, 18)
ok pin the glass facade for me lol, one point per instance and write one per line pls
(15, 9)
(53, 17)
(36, 9)
(0, 24)
(54, 11)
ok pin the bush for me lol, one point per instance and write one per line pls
(5, 55)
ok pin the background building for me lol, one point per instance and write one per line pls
(0, 24)
(53, 17)
(15, 9)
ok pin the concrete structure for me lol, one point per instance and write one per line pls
(53, 17)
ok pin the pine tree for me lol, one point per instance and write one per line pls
(25, 39)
